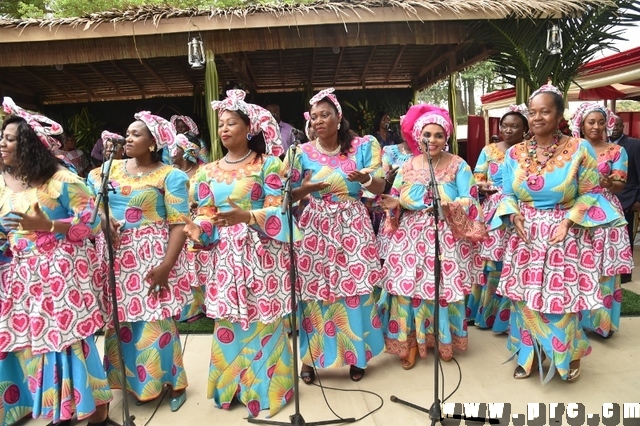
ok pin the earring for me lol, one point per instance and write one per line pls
(446, 147)
(338, 126)
(557, 133)
(420, 148)
(152, 148)
(249, 136)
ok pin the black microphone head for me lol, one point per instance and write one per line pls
(118, 141)
(298, 134)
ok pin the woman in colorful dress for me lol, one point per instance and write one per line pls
(550, 269)
(50, 294)
(248, 292)
(393, 157)
(591, 121)
(185, 156)
(184, 124)
(408, 273)
(337, 261)
(148, 212)
(485, 308)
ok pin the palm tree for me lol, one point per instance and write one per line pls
(521, 56)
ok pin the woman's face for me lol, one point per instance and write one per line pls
(178, 156)
(9, 143)
(139, 140)
(433, 139)
(232, 131)
(181, 127)
(512, 129)
(384, 123)
(593, 126)
(324, 119)
(544, 117)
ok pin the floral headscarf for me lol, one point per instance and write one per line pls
(546, 88)
(190, 149)
(521, 109)
(419, 116)
(327, 93)
(307, 125)
(587, 108)
(193, 128)
(162, 131)
(44, 127)
(260, 120)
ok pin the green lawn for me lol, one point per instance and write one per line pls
(630, 307)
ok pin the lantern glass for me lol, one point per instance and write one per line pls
(196, 54)
(554, 40)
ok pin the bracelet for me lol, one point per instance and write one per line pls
(53, 225)
(367, 183)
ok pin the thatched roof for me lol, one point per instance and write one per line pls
(141, 53)
(343, 10)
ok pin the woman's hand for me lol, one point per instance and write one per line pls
(561, 232)
(359, 176)
(158, 279)
(518, 223)
(388, 202)
(191, 230)
(486, 188)
(232, 217)
(309, 187)
(113, 228)
(35, 221)
(606, 182)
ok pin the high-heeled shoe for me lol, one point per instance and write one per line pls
(520, 373)
(408, 362)
(574, 371)
(176, 402)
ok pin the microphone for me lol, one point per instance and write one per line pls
(435, 197)
(298, 136)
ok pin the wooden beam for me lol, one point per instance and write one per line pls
(481, 56)
(15, 89)
(15, 86)
(128, 75)
(432, 62)
(366, 65)
(181, 65)
(246, 63)
(234, 63)
(104, 77)
(121, 97)
(77, 80)
(335, 75)
(395, 62)
(313, 65)
(155, 74)
(281, 67)
(47, 82)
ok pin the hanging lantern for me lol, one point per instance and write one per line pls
(196, 53)
(554, 40)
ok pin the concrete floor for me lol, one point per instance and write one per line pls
(610, 374)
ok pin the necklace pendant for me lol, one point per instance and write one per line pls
(139, 174)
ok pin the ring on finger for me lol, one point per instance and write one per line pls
(20, 226)
(157, 289)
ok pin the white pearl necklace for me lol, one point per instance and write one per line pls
(321, 150)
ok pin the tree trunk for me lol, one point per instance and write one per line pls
(471, 100)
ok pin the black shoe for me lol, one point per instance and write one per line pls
(625, 278)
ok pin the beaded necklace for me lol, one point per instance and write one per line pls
(547, 152)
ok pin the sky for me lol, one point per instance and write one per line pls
(632, 34)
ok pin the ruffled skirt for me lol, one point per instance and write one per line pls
(16, 402)
(142, 249)
(553, 279)
(49, 298)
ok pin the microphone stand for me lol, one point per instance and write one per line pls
(103, 197)
(435, 411)
(296, 419)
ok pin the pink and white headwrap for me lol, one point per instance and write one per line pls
(307, 124)
(419, 116)
(193, 128)
(327, 93)
(44, 127)
(587, 108)
(190, 149)
(545, 89)
(107, 135)
(521, 109)
(260, 119)
(162, 131)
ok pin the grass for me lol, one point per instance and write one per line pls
(201, 326)
(630, 303)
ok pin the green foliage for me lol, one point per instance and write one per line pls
(630, 303)
(363, 117)
(520, 45)
(86, 129)
(627, 106)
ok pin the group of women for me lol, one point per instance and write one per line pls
(531, 236)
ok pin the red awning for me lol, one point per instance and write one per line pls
(598, 93)
(619, 60)
(497, 96)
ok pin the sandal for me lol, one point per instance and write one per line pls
(574, 370)
(356, 373)
(520, 372)
(176, 402)
(408, 362)
(308, 374)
